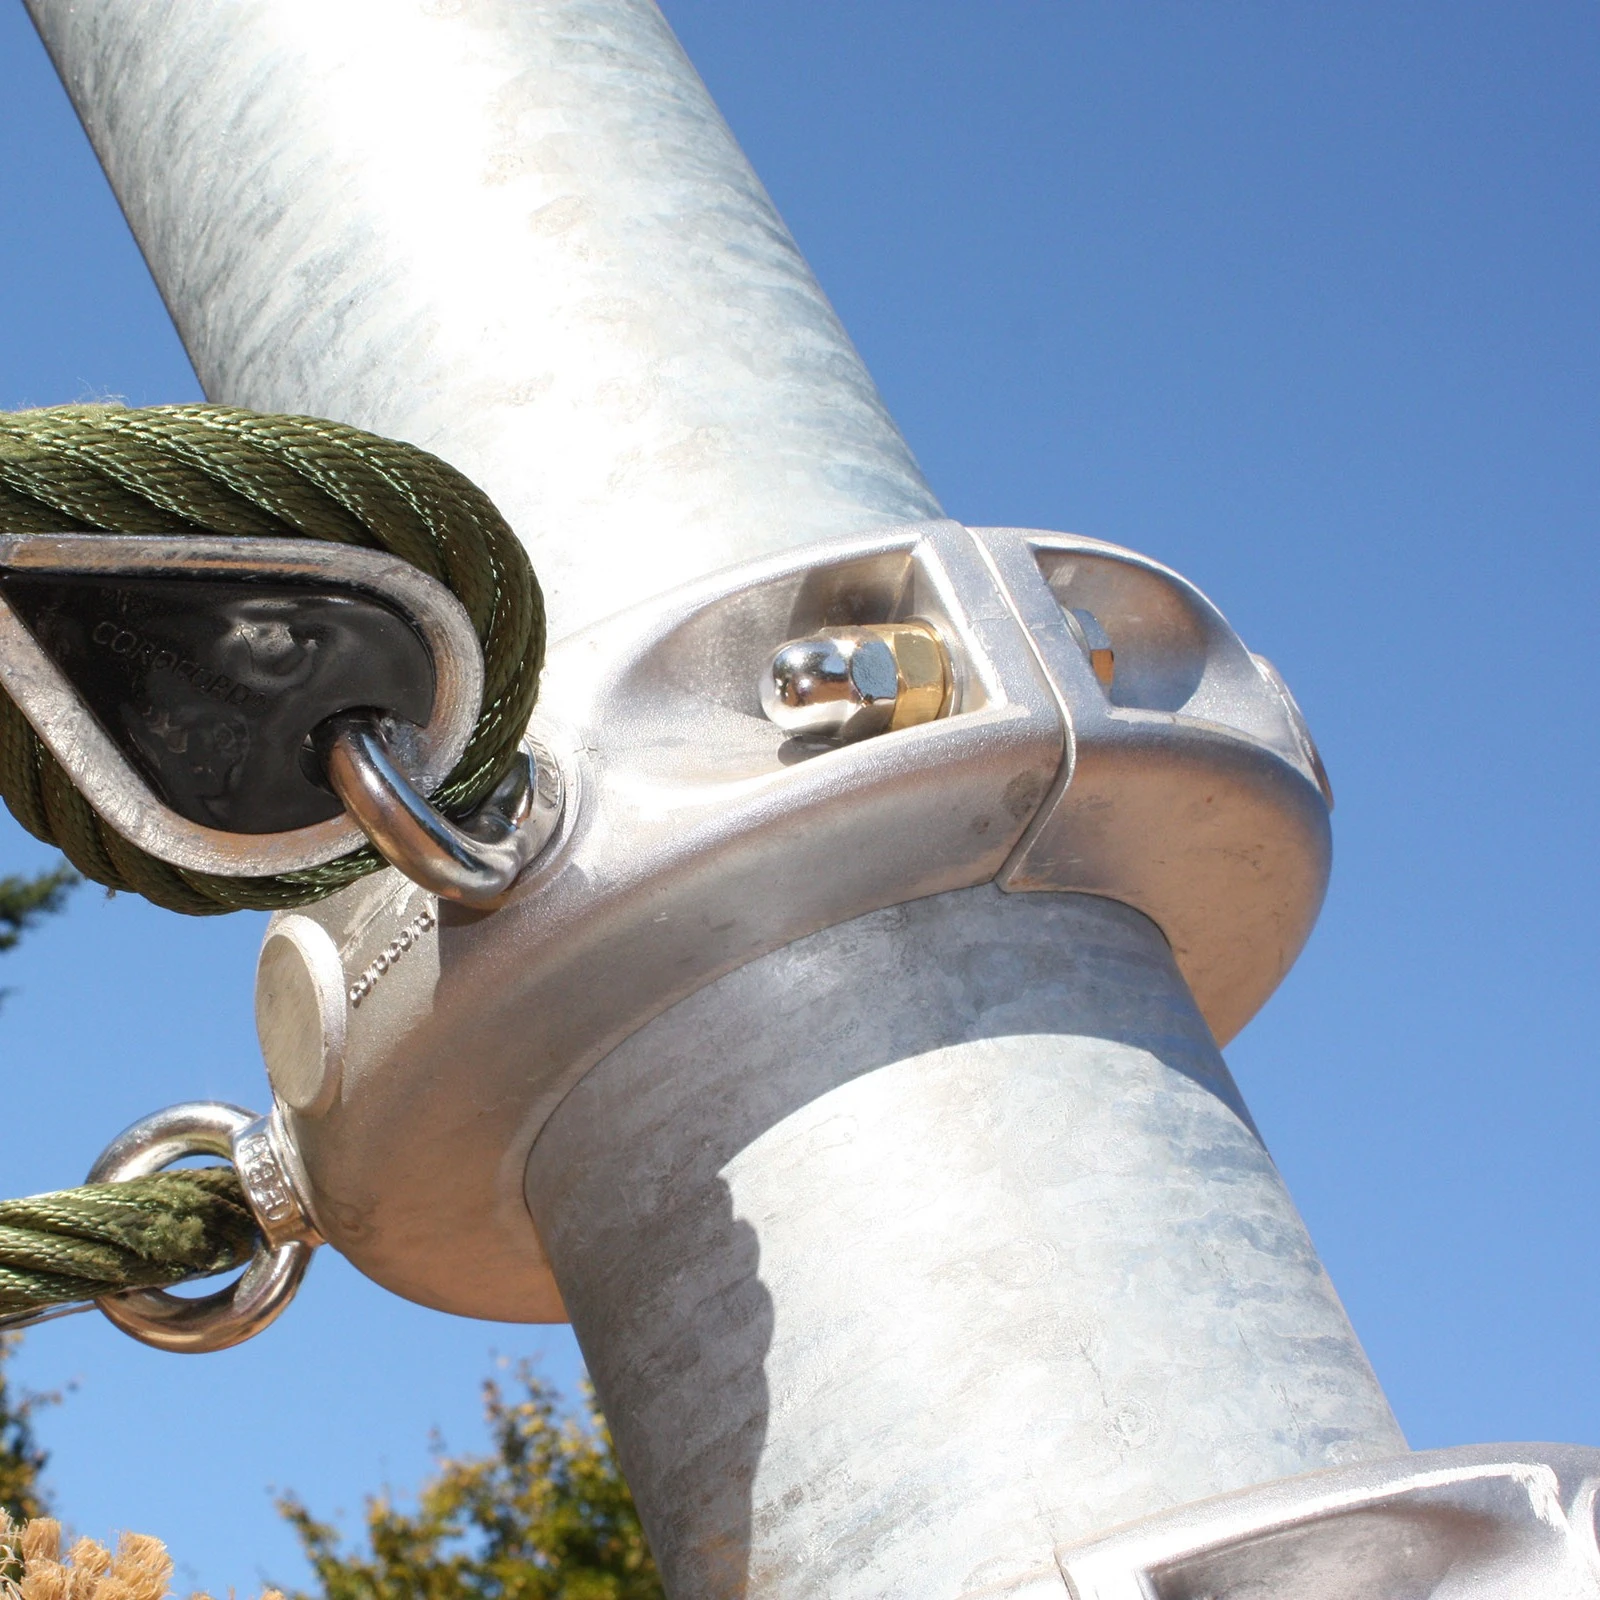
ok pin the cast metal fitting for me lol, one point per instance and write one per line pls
(1099, 728)
(1482, 1522)
(381, 767)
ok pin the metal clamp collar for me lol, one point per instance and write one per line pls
(1484, 1522)
(709, 836)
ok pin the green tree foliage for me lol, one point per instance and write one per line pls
(545, 1515)
(24, 900)
(21, 1459)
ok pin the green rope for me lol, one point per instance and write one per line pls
(198, 469)
(147, 1233)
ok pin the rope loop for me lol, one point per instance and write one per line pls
(204, 469)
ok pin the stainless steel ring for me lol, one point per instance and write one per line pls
(267, 1284)
(474, 862)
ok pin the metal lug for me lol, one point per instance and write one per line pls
(258, 1149)
(474, 862)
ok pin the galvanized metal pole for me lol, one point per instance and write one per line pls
(907, 1253)
(916, 1250)
(518, 234)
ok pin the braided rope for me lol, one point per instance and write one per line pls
(147, 1233)
(195, 469)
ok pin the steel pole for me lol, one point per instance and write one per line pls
(906, 1253)
(518, 234)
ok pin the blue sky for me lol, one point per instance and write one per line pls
(1299, 299)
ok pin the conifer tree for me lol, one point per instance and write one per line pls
(21, 1459)
(23, 901)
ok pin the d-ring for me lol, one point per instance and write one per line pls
(268, 1283)
(474, 862)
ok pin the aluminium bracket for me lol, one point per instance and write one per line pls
(417, 1049)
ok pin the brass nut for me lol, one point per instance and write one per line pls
(925, 679)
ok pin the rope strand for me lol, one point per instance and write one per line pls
(147, 1233)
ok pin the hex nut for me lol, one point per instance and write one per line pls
(927, 684)
(1095, 643)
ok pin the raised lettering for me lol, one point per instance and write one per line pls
(407, 938)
